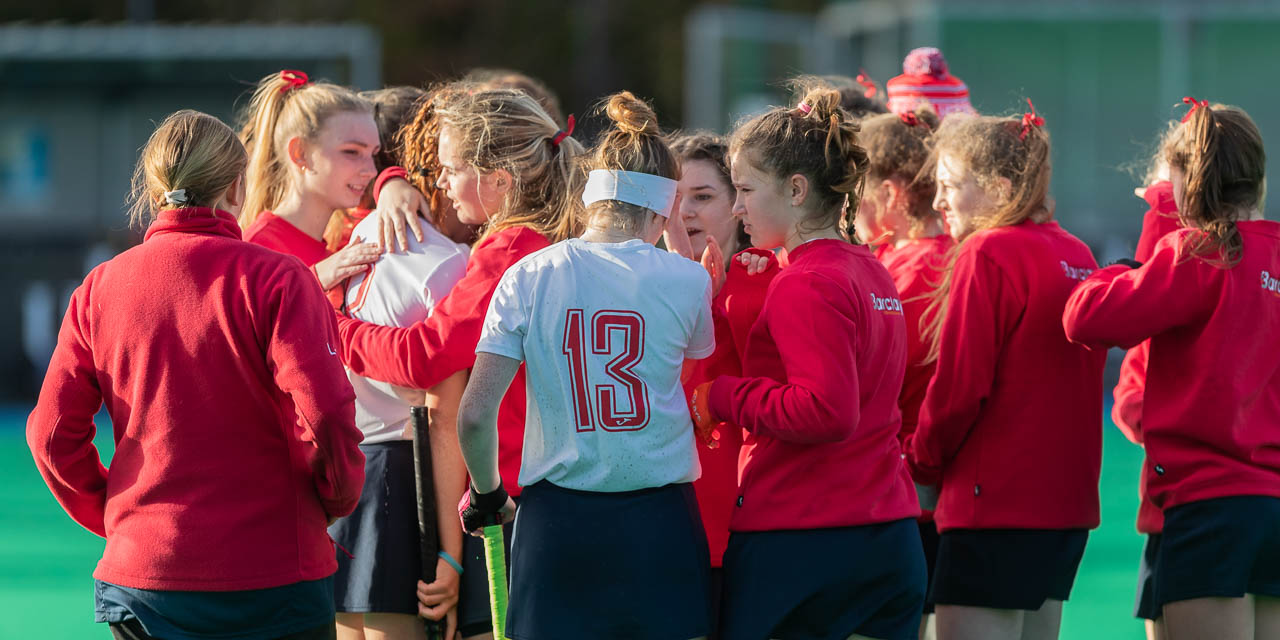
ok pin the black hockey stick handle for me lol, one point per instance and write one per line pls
(424, 483)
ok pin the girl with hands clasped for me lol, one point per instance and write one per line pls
(1011, 425)
(604, 323)
(311, 148)
(1207, 297)
(822, 480)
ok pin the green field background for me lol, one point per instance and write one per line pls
(46, 560)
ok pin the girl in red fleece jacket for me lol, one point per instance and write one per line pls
(896, 215)
(1011, 425)
(235, 441)
(1207, 297)
(705, 209)
(311, 148)
(505, 165)
(824, 541)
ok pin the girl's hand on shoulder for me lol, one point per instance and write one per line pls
(348, 261)
(754, 262)
(399, 204)
(713, 262)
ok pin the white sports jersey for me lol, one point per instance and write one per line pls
(397, 291)
(604, 330)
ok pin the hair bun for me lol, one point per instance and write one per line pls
(824, 102)
(632, 115)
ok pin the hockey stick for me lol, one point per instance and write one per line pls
(424, 482)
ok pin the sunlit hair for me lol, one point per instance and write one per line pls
(1219, 152)
(818, 140)
(497, 78)
(191, 151)
(633, 142)
(991, 148)
(507, 129)
(279, 111)
(898, 150)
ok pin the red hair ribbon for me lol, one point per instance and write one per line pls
(909, 119)
(561, 135)
(294, 79)
(1030, 120)
(1195, 104)
(868, 83)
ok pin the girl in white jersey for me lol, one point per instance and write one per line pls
(608, 542)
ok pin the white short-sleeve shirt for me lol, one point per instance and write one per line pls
(604, 330)
(398, 290)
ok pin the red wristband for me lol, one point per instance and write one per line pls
(388, 174)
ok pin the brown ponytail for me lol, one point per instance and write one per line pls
(1219, 151)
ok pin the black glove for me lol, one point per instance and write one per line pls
(1132, 264)
(482, 509)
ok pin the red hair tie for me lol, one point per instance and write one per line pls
(1030, 120)
(1195, 104)
(294, 79)
(804, 108)
(868, 83)
(560, 136)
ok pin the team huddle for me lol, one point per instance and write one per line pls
(837, 374)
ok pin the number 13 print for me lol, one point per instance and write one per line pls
(604, 327)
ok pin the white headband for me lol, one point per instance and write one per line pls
(641, 189)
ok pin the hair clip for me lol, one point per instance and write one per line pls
(177, 197)
(1030, 120)
(561, 135)
(1195, 104)
(867, 82)
(294, 79)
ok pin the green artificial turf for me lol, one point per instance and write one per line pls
(46, 559)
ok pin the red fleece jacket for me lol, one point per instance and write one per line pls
(234, 421)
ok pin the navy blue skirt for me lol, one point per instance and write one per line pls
(381, 574)
(608, 565)
(1219, 548)
(824, 583)
(1006, 568)
(1146, 606)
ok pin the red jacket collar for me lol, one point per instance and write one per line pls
(194, 220)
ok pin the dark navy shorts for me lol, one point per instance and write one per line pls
(631, 564)
(1006, 568)
(1146, 606)
(824, 583)
(1219, 548)
(381, 575)
(929, 542)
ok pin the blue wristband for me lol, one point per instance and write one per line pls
(444, 555)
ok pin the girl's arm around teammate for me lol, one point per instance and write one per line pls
(1120, 306)
(428, 352)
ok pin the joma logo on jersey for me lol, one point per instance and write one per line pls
(1270, 283)
(1075, 273)
(887, 305)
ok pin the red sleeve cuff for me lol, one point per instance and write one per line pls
(721, 398)
(388, 174)
(1160, 197)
